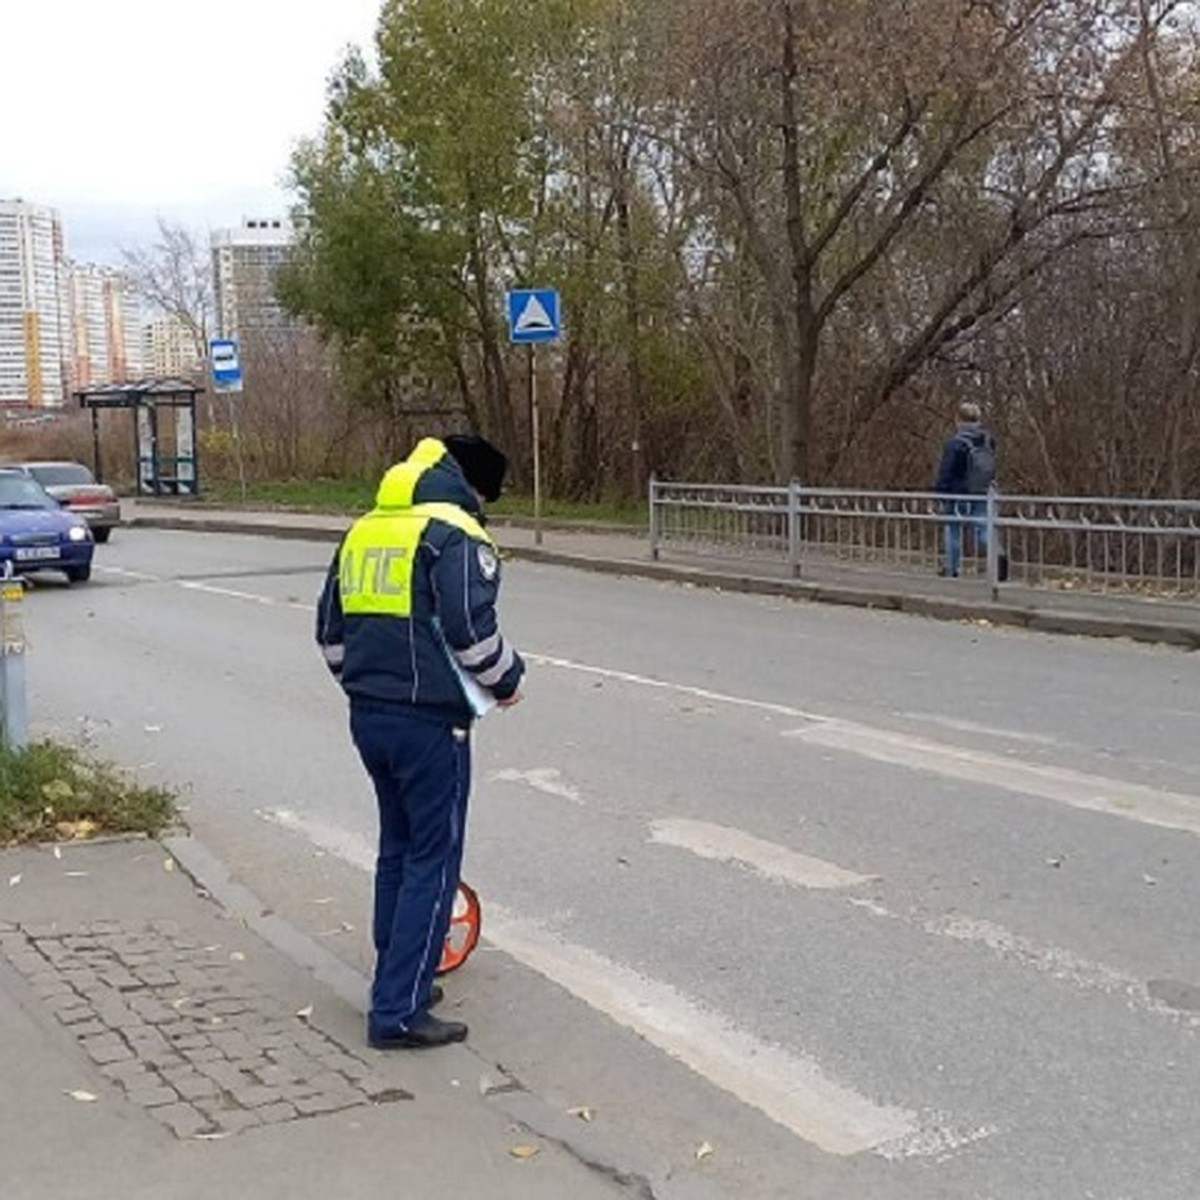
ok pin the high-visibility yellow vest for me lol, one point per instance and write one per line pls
(377, 557)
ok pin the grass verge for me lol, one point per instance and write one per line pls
(53, 793)
(352, 498)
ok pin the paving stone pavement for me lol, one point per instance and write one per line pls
(187, 1035)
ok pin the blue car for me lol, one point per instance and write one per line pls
(38, 534)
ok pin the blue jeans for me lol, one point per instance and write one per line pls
(422, 775)
(969, 513)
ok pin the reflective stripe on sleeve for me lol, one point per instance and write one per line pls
(493, 675)
(472, 656)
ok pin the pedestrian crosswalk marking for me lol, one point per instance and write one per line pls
(1113, 797)
(772, 861)
(789, 1088)
(1097, 793)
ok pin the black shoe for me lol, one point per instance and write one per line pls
(424, 1033)
(436, 995)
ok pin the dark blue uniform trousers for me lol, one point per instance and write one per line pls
(422, 775)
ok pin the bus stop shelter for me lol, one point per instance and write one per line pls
(163, 427)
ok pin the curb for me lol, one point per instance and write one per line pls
(599, 1152)
(306, 533)
(1036, 620)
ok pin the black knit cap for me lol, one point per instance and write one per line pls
(480, 461)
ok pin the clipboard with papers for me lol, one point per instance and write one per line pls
(478, 698)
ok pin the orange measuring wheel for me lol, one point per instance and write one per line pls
(463, 934)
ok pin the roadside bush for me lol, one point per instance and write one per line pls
(52, 793)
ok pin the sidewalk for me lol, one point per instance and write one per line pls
(1168, 622)
(152, 1044)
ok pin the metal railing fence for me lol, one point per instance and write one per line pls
(1090, 543)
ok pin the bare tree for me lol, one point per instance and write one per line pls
(174, 277)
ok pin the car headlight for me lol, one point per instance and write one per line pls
(78, 533)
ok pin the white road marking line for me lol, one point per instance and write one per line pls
(1008, 735)
(1054, 961)
(547, 780)
(935, 1140)
(772, 861)
(229, 593)
(125, 574)
(790, 1089)
(1134, 802)
(1095, 793)
(566, 664)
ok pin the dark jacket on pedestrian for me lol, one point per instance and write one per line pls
(415, 582)
(968, 464)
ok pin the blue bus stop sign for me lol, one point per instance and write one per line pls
(226, 365)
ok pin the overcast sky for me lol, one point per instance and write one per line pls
(114, 111)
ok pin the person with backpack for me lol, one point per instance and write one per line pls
(967, 470)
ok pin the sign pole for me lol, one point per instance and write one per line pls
(227, 378)
(535, 422)
(534, 315)
(236, 434)
(14, 715)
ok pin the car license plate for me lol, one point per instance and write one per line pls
(35, 553)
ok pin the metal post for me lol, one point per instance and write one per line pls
(993, 541)
(535, 422)
(14, 730)
(235, 430)
(793, 528)
(96, 463)
(653, 518)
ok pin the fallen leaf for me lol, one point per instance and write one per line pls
(1056, 861)
(1149, 880)
(584, 1114)
(305, 1012)
(82, 1096)
(347, 927)
(13, 880)
(168, 864)
(703, 1151)
(75, 831)
(524, 1151)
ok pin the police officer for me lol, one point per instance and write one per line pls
(407, 622)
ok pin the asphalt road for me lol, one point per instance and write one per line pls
(869, 905)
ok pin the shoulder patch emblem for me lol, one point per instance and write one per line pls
(489, 564)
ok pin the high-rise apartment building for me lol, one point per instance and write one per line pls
(32, 351)
(169, 349)
(246, 261)
(106, 327)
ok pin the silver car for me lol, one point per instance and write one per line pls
(76, 489)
